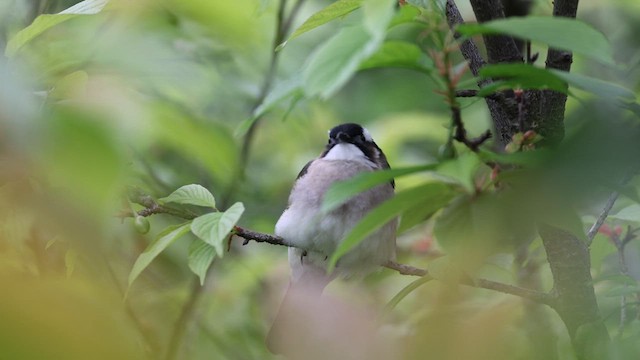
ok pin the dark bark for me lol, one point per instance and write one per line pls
(500, 48)
(575, 302)
(553, 102)
(500, 116)
(542, 111)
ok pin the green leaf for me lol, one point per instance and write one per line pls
(342, 191)
(474, 226)
(557, 32)
(377, 218)
(462, 170)
(630, 213)
(596, 86)
(201, 257)
(291, 88)
(406, 291)
(406, 14)
(623, 290)
(165, 238)
(213, 228)
(520, 76)
(399, 54)
(333, 63)
(434, 197)
(192, 194)
(43, 22)
(377, 16)
(336, 10)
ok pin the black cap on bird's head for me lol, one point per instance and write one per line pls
(349, 133)
(354, 134)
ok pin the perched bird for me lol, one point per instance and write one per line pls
(349, 152)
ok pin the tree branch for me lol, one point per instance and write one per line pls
(500, 48)
(576, 303)
(471, 53)
(403, 269)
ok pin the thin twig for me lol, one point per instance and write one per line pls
(602, 217)
(461, 133)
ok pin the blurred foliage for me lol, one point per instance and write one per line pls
(160, 94)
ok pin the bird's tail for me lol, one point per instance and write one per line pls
(291, 321)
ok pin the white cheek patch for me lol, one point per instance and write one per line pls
(345, 151)
(367, 135)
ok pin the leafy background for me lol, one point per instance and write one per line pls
(154, 95)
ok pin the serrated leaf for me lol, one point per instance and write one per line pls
(377, 218)
(192, 194)
(557, 32)
(44, 22)
(334, 11)
(201, 256)
(399, 54)
(164, 239)
(213, 228)
(342, 191)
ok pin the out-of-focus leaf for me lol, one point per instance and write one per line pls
(70, 260)
(600, 248)
(557, 32)
(341, 191)
(213, 228)
(476, 225)
(462, 170)
(630, 213)
(192, 194)
(165, 238)
(378, 217)
(206, 143)
(291, 88)
(596, 86)
(334, 11)
(622, 290)
(400, 54)
(81, 157)
(201, 257)
(405, 14)
(406, 291)
(335, 61)
(44, 22)
(435, 196)
(377, 16)
(522, 76)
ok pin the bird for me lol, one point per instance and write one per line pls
(314, 234)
